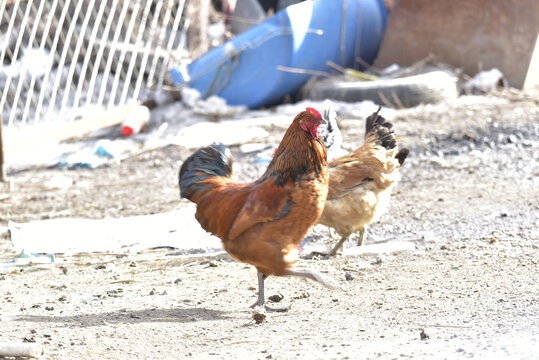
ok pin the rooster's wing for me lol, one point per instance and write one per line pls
(266, 202)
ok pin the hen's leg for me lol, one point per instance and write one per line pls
(336, 247)
(361, 236)
(261, 297)
(318, 253)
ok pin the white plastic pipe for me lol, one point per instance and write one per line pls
(20, 349)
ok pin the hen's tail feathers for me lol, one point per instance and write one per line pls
(382, 129)
(205, 163)
(401, 155)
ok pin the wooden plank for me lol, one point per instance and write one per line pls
(471, 35)
(532, 78)
(69, 235)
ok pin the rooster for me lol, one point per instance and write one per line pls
(360, 183)
(261, 223)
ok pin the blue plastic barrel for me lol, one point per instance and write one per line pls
(247, 70)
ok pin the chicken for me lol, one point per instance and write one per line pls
(361, 182)
(261, 223)
(331, 133)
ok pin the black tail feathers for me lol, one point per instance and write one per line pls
(207, 162)
(385, 136)
(382, 128)
(402, 155)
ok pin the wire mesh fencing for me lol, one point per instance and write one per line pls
(60, 59)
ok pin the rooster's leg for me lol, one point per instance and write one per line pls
(361, 236)
(261, 297)
(313, 275)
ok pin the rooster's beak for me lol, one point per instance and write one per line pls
(322, 121)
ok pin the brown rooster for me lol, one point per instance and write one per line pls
(261, 223)
(360, 183)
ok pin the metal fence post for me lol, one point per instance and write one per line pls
(2, 172)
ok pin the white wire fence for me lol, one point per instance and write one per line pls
(60, 57)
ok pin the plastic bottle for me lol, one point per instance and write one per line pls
(135, 121)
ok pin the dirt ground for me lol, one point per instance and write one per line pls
(468, 201)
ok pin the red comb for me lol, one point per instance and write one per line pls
(314, 112)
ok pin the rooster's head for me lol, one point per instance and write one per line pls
(310, 121)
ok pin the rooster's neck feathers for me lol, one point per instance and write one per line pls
(299, 154)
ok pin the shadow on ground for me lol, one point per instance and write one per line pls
(131, 317)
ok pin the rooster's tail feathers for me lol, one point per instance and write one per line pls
(381, 129)
(205, 163)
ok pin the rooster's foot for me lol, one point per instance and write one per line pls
(277, 309)
(318, 254)
(268, 308)
(312, 255)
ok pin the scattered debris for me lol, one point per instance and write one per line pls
(276, 298)
(214, 106)
(59, 182)
(115, 293)
(114, 326)
(259, 314)
(90, 299)
(209, 263)
(81, 160)
(423, 335)
(190, 97)
(303, 295)
(105, 148)
(485, 82)
(34, 260)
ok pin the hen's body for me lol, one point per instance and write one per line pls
(361, 182)
(261, 223)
